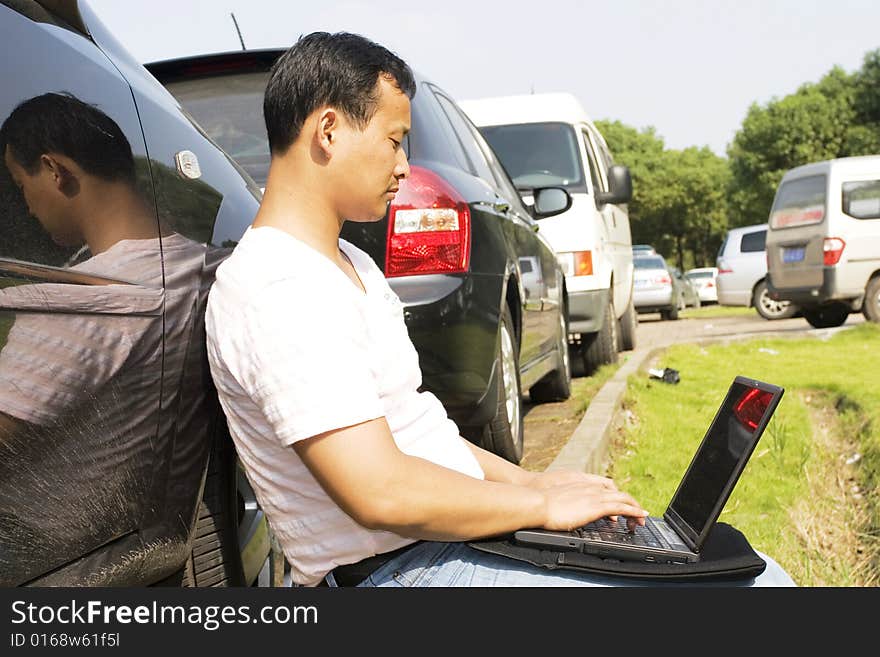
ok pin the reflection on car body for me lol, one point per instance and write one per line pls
(107, 415)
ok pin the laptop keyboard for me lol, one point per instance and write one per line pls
(618, 532)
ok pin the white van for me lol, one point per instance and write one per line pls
(823, 242)
(546, 140)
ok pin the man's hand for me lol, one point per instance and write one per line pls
(586, 499)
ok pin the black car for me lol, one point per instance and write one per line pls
(116, 468)
(483, 292)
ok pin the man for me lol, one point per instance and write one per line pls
(317, 375)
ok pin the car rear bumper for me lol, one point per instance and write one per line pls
(452, 321)
(647, 301)
(813, 295)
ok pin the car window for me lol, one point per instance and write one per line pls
(862, 199)
(591, 163)
(475, 156)
(753, 242)
(649, 262)
(799, 202)
(538, 154)
(600, 148)
(230, 109)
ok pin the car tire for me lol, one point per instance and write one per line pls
(826, 316)
(768, 308)
(601, 348)
(556, 386)
(670, 313)
(628, 323)
(503, 435)
(215, 557)
(871, 305)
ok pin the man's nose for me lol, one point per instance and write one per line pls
(401, 169)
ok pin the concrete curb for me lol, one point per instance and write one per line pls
(587, 448)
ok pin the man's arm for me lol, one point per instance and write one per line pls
(379, 486)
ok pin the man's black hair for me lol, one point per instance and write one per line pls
(61, 123)
(341, 70)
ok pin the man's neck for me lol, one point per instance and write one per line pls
(292, 204)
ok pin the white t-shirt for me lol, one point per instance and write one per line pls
(297, 349)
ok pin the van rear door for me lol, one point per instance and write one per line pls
(797, 230)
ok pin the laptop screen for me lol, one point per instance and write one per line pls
(726, 447)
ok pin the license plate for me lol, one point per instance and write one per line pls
(793, 254)
(644, 283)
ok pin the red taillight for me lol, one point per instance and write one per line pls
(709, 284)
(663, 279)
(832, 249)
(429, 227)
(750, 408)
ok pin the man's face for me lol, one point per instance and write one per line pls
(44, 199)
(370, 163)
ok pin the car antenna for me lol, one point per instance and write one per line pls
(235, 22)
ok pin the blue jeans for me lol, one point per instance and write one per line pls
(435, 563)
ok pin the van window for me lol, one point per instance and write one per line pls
(799, 202)
(862, 199)
(594, 169)
(753, 242)
(538, 154)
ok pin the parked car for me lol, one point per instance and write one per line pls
(115, 465)
(742, 273)
(687, 293)
(484, 296)
(823, 243)
(653, 289)
(705, 280)
(548, 139)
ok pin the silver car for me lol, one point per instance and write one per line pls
(653, 288)
(742, 273)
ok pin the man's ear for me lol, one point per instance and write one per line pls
(327, 130)
(61, 170)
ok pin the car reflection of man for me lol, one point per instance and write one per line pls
(81, 365)
(362, 476)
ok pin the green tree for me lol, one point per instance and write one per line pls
(809, 125)
(679, 197)
(838, 116)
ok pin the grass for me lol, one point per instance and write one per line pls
(708, 312)
(808, 496)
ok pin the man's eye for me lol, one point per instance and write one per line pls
(396, 143)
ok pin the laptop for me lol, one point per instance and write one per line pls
(679, 535)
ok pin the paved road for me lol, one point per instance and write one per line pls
(654, 332)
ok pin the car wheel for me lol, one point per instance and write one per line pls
(670, 313)
(556, 386)
(628, 323)
(769, 308)
(601, 348)
(826, 316)
(871, 305)
(504, 433)
(215, 558)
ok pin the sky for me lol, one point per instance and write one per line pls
(689, 68)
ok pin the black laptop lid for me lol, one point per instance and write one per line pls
(721, 457)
